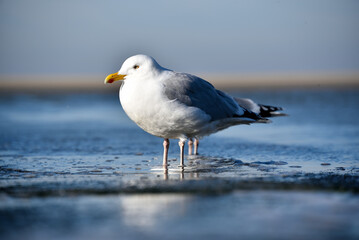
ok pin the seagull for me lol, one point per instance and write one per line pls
(174, 105)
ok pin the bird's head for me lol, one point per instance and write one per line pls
(138, 66)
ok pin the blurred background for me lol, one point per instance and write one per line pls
(242, 43)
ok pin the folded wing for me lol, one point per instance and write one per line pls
(196, 92)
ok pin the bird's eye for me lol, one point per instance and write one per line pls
(136, 66)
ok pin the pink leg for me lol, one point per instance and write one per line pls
(166, 146)
(190, 144)
(196, 143)
(181, 144)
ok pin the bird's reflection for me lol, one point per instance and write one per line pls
(146, 211)
(165, 172)
(181, 173)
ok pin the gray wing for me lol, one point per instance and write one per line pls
(248, 104)
(194, 91)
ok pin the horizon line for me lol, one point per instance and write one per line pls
(94, 82)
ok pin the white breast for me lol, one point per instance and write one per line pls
(146, 105)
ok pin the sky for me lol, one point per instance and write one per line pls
(253, 36)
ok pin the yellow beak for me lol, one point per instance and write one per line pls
(114, 77)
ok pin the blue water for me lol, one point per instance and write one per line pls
(74, 166)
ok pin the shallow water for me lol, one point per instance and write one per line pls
(74, 166)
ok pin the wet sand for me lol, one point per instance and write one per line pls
(73, 166)
(225, 81)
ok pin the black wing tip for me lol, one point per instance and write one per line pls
(270, 111)
(270, 108)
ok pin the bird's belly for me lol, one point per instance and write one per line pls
(161, 117)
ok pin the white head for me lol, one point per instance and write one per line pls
(138, 66)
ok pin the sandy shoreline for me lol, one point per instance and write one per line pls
(40, 83)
